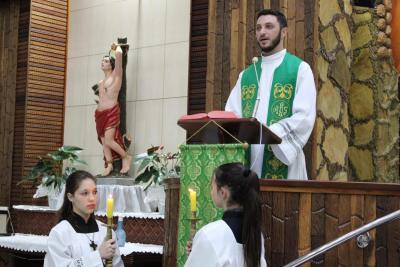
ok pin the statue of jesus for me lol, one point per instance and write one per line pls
(108, 112)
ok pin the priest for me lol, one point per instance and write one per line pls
(279, 90)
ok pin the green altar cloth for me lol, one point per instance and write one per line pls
(197, 165)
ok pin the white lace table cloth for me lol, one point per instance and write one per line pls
(34, 208)
(23, 242)
(38, 243)
(139, 215)
(140, 248)
(126, 198)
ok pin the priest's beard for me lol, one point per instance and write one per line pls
(274, 43)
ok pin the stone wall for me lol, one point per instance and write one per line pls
(357, 126)
(374, 102)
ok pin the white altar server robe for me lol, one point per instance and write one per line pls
(214, 245)
(294, 130)
(67, 248)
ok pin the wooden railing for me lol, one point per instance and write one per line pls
(299, 216)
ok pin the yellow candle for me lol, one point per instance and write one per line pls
(192, 200)
(110, 206)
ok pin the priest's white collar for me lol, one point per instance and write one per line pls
(273, 57)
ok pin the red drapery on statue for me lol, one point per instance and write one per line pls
(107, 119)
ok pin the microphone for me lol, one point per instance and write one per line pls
(255, 60)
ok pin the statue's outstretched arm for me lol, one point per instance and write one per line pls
(118, 60)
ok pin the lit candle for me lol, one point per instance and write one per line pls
(110, 206)
(192, 200)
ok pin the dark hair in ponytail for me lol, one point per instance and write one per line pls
(74, 180)
(244, 187)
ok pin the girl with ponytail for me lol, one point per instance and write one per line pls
(236, 239)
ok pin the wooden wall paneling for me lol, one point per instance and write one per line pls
(291, 226)
(267, 201)
(278, 229)
(226, 63)
(242, 42)
(331, 227)
(317, 226)
(42, 95)
(215, 54)
(310, 26)
(212, 56)
(393, 238)
(50, 16)
(299, 24)
(321, 217)
(18, 192)
(9, 12)
(198, 56)
(344, 227)
(330, 187)
(304, 230)
(172, 186)
(291, 20)
(370, 214)
(275, 4)
(311, 44)
(267, 4)
(283, 7)
(382, 208)
(234, 41)
(252, 49)
(356, 220)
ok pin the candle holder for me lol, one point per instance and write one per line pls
(193, 222)
(110, 226)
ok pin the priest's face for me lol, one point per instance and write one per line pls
(269, 34)
(84, 198)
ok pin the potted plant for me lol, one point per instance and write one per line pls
(153, 167)
(51, 175)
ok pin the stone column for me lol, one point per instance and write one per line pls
(374, 99)
(333, 63)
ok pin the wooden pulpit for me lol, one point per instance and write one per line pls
(226, 131)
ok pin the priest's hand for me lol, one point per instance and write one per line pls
(107, 249)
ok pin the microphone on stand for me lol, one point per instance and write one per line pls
(255, 60)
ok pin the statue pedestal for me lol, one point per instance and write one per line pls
(116, 180)
(128, 196)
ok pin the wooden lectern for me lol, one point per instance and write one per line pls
(224, 131)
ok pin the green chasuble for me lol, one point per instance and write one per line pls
(280, 104)
(198, 163)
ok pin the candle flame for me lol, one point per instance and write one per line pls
(191, 190)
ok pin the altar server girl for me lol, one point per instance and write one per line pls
(78, 239)
(235, 240)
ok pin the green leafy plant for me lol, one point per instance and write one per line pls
(49, 171)
(155, 165)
